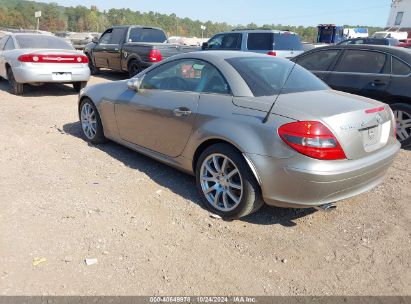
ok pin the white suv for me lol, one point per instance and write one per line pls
(272, 42)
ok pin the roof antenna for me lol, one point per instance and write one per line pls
(278, 95)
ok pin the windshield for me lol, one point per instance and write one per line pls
(287, 41)
(42, 42)
(146, 35)
(272, 76)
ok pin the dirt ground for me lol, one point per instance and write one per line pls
(66, 201)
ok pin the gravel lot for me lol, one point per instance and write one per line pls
(66, 201)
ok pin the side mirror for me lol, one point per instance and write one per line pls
(95, 40)
(204, 46)
(133, 84)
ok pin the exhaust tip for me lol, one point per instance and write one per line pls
(326, 207)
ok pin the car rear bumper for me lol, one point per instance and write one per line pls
(302, 182)
(29, 73)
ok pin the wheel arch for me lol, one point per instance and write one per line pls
(82, 98)
(7, 66)
(397, 99)
(213, 141)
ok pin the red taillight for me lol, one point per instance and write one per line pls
(394, 124)
(312, 139)
(375, 110)
(52, 58)
(272, 53)
(155, 56)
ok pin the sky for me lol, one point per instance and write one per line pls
(287, 12)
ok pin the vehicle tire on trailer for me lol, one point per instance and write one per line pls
(79, 85)
(91, 123)
(16, 88)
(226, 184)
(93, 69)
(133, 68)
(402, 113)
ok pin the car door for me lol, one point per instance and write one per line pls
(113, 49)
(100, 50)
(160, 116)
(320, 62)
(362, 72)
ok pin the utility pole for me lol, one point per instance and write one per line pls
(38, 15)
(203, 28)
(177, 26)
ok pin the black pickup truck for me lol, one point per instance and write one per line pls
(131, 49)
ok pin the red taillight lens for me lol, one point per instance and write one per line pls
(272, 53)
(394, 124)
(51, 58)
(312, 139)
(155, 56)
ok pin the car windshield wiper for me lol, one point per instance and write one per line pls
(278, 95)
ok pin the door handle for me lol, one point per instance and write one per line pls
(182, 111)
(378, 83)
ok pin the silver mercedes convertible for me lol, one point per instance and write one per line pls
(251, 128)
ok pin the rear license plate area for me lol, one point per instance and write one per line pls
(61, 76)
(371, 137)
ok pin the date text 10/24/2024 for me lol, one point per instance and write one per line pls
(236, 299)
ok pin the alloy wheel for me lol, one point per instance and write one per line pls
(403, 124)
(88, 121)
(221, 182)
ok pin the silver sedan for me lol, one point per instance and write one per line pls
(37, 59)
(250, 127)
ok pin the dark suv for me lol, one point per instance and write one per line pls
(379, 72)
(371, 40)
(276, 43)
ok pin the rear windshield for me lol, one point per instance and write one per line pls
(287, 41)
(42, 42)
(272, 76)
(274, 41)
(146, 35)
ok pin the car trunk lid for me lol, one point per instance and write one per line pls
(354, 120)
(361, 125)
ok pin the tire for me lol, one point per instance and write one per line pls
(79, 85)
(91, 123)
(15, 87)
(93, 69)
(248, 199)
(133, 68)
(402, 113)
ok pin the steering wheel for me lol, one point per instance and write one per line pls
(174, 83)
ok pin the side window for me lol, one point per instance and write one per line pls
(188, 75)
(9, 44)
(216, 42)
(260, 41)
(106, 37)
(226, 42)
(117, 36)
(399, 67)
(319, 61)
(370, 62)
(3, 42)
